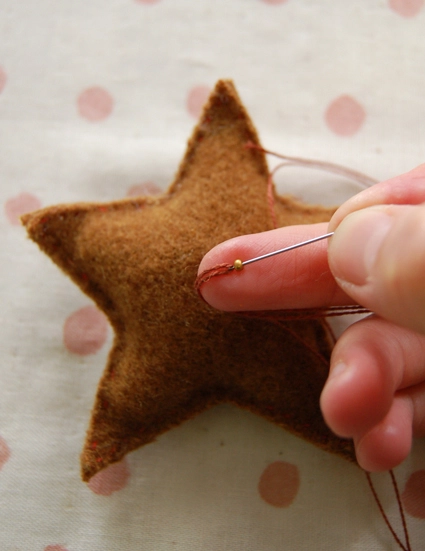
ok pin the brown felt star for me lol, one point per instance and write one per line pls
(173, 356)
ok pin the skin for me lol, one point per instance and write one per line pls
(375, 392)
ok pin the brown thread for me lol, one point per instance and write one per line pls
(300, 314)
(331, 332)
(206, 275)
(349, 173)
(279, 317)
(401, 509)
(296, 336)
(270, 198)
(406, 547)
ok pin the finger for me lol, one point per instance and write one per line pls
(407, 189)
(377, 256)
(417, 396)
(295, 279)
(387, 444)
(372, 361)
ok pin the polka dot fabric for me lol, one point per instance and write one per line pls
(196, 99)
(279, 484)
(3, 79)
(96, 104)
(345, 116)
(4, 452)
(85, 331)
(112, 479)
(15, 207)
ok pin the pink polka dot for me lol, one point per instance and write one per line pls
(406, 8)
(279, 484)
(3, 79)
(95, 104)
(274, 1)
(145, 188)
(414, 494)
(4, 452)
(19, 205)
(196, 100)
(147, 1)
(112, 479)
(85, 331)
(55, 548)
(345, 116)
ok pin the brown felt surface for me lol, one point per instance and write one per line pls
(173, 356)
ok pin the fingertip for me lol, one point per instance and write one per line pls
(388, 444)
(215, 291)
(355, 245)
(223, 288)
(377, 255)
(213, 257)
(332, 403)
(356, 396)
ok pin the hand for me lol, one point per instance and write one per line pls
(375, 393)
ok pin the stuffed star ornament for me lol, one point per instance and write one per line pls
(173, 356)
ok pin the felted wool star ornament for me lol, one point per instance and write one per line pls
(174, 356)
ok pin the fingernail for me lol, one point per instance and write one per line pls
(337, 370)
(355, 245)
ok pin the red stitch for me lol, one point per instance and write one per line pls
(206, 275)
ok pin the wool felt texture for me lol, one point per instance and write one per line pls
(174, 356)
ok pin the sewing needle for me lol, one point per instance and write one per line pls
(239, 264)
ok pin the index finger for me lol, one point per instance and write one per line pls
(295, 279)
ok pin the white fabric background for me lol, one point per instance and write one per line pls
(196, 487)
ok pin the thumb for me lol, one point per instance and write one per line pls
(377, 256)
